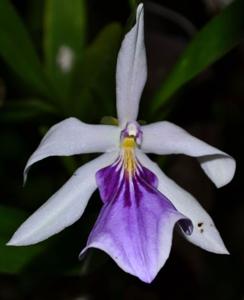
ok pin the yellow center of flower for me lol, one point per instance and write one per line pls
(128, 145)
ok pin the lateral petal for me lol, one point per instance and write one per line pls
(65, 207)
(205, 233)
(72, 136)
(168, 138)
(131, 73)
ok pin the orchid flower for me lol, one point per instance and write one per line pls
(141, 205)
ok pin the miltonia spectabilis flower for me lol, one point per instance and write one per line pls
(141, 205)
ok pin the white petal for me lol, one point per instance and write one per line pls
(131, 73)
(65, 207)
(168, 138)
(72, 136)
(205, 234)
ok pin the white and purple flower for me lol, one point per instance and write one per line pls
(141, 205)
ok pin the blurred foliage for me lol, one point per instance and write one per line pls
(97, 72)
(16, 111)
(17, 50)
(71, 71)
(64, 39)
(12, 259)
(133, 4)
(54, 66)
(205, 49)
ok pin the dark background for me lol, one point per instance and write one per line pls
(210, 107)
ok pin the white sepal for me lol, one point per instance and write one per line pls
(65, 207)
(205, 233)
(168, 138)
(72, 136)
(131, 73)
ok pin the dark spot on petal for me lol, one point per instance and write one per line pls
(200, 224)
(201, 230)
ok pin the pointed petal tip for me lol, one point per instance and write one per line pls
(24, 180)
(208, 239)
(10, 243)
(146, 278)
(13, 242)
(25, 174)
(140, 7)
(225, 252)
(17, 240)
(82, 254)
(143, 276)
(221, 249)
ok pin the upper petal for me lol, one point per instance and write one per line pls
(72, 136)
(136, 223)
(205, 234)
(167, 138)
(131, 73)
(65, 207)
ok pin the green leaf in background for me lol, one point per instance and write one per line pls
(17, 50)
(34, 20)
(14, 259)
(219, 36)
(96, 74)
(133, 4)
(16, 111)
(64, 35)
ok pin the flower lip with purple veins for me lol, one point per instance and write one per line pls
(136, 218)
(141, 205)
